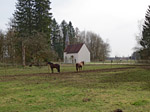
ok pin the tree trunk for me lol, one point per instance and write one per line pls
(23, 55)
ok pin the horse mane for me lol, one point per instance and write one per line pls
(49, 63)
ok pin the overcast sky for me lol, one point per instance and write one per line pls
(116, 21)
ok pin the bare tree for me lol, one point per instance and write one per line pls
(138, 36)
(98, 48)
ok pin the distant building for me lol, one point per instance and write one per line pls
(76, 53)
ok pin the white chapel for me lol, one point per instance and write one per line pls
(76, 53)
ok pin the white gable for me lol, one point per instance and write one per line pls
(84, 54)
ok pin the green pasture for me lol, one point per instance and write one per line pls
(25, 90)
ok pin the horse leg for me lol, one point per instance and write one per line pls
(76, 67)
(58, 69)
(48, 68)
(52, 69)
(80, 68)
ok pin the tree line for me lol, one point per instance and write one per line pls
(34, 36)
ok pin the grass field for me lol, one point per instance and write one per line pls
(98, 88)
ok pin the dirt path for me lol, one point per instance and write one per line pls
(65, 73)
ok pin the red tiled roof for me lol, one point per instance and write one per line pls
(75, 48)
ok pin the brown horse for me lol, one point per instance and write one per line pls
(57, 66)
(79, 65)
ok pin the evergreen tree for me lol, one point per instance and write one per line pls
(71, 33)
(54, 33)
(56, 39)
(64, 27)
(42, 16)
(23, 22)
(145, 40)
(23, 18)
(59, 45)
(31, 17)
(1, 45)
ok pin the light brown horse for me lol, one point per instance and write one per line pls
(79, 66)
